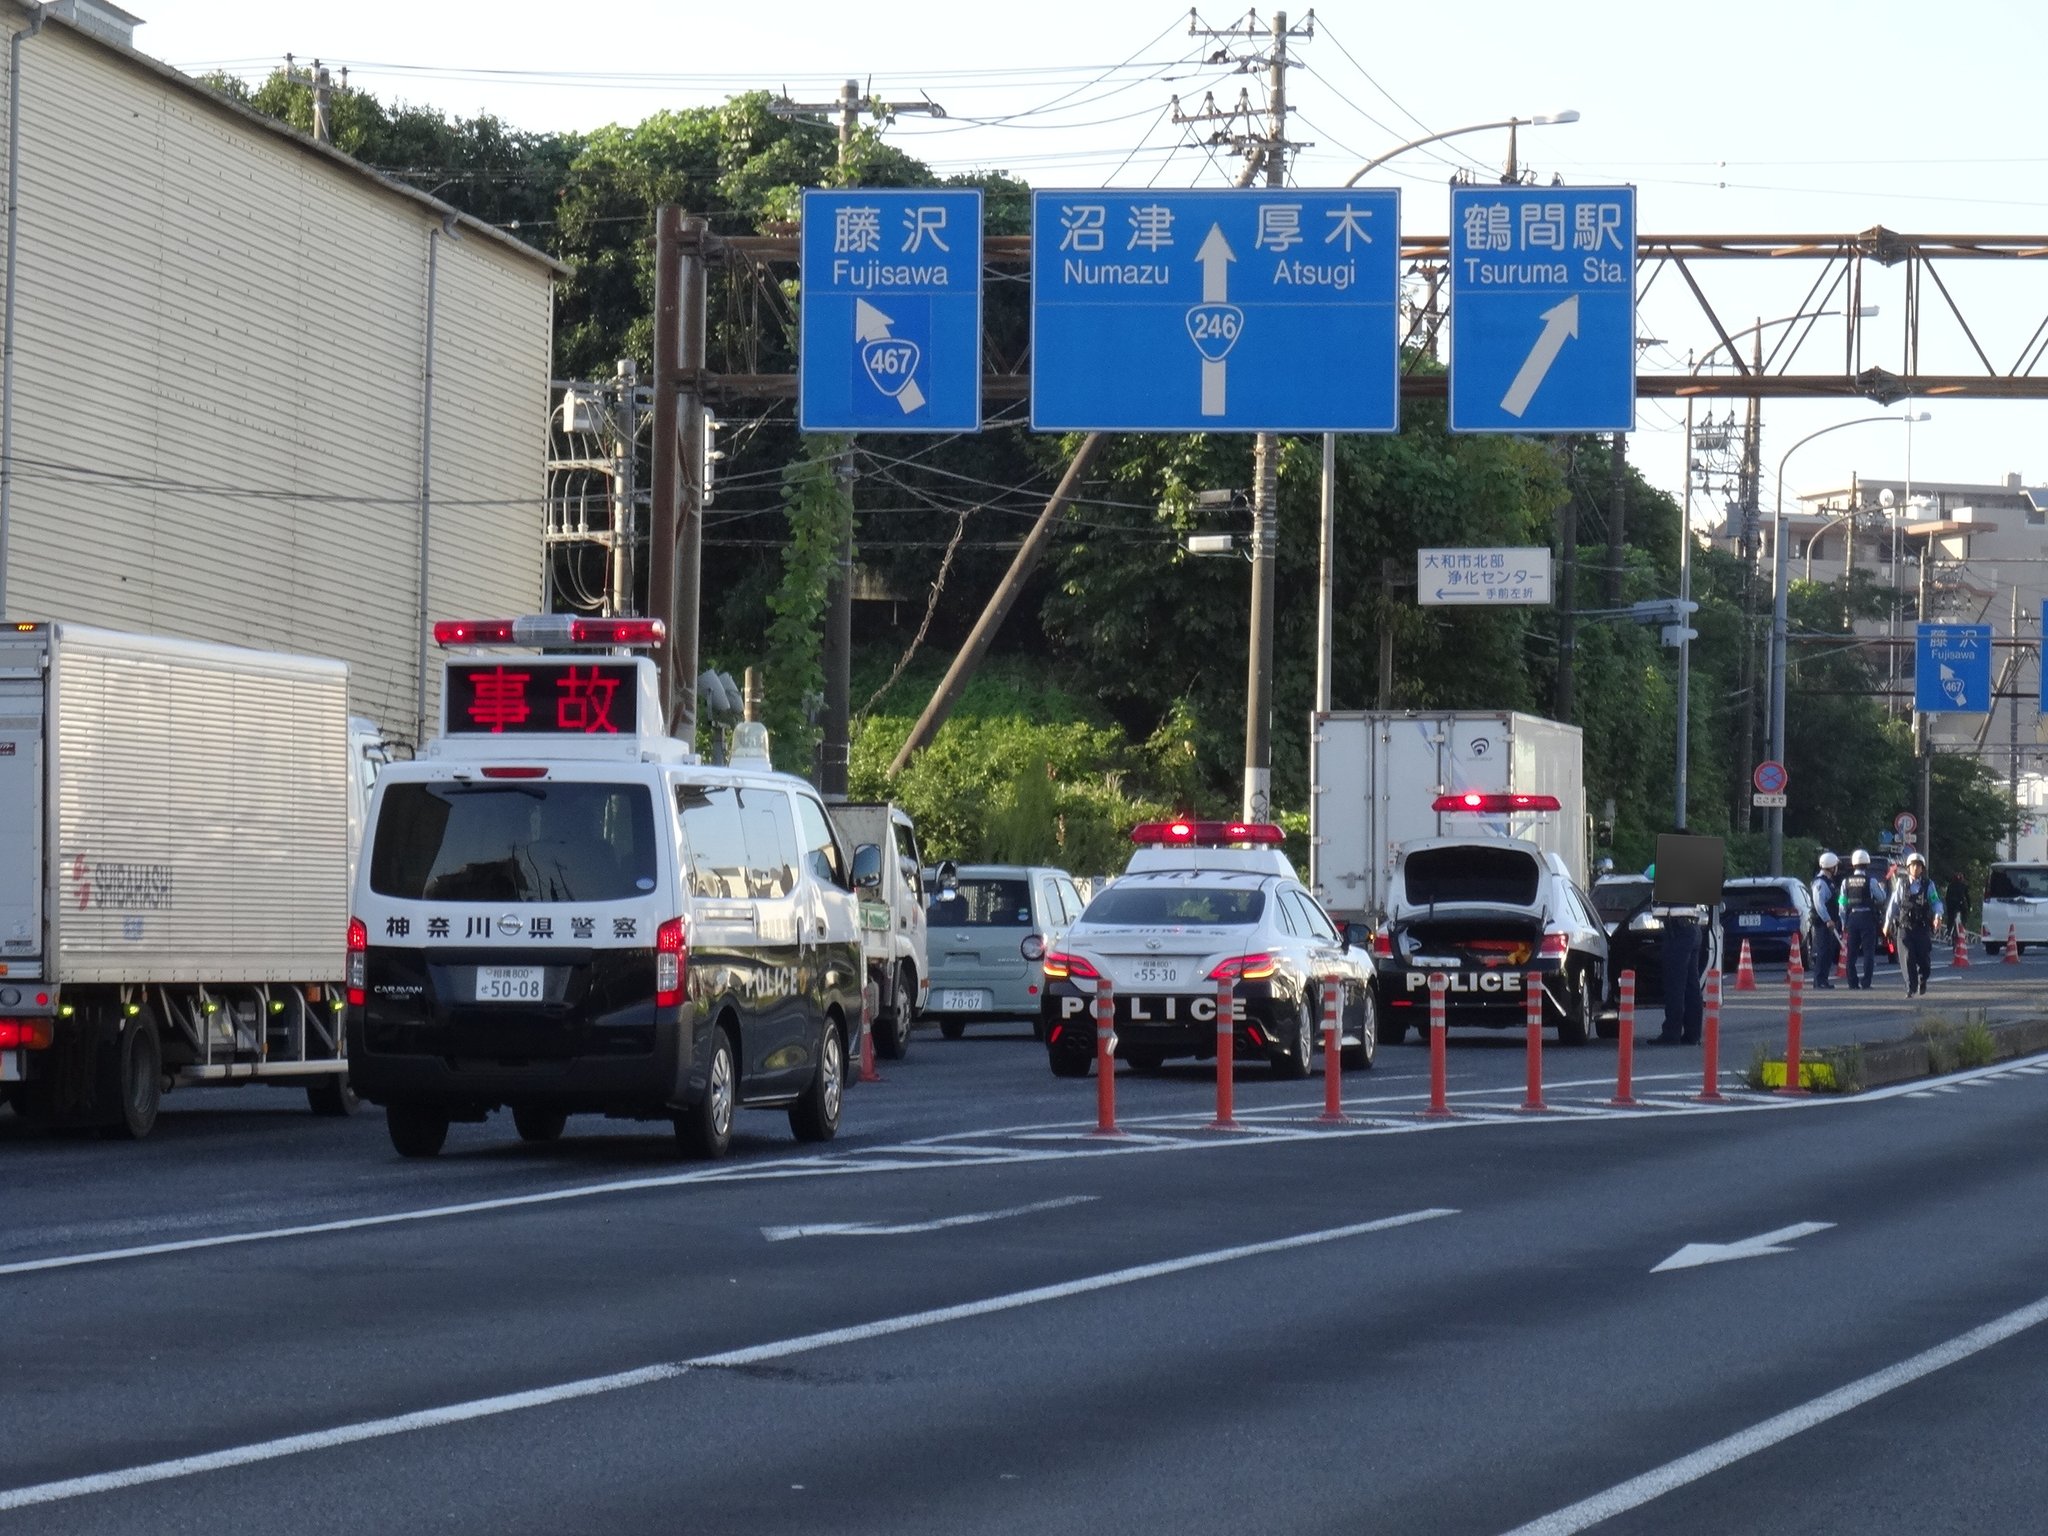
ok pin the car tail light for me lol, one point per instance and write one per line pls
(513, 771)
(28, 1034)
(1080, 967)
(1383, 945)
(671, 964)
(1252, 967)
(358, 960)
(1555, 946)
(1031, 947)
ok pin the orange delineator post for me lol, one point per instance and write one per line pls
(1105, 1059)
(868, 1074)
(1745, 970)
(1625, 1055)
(1532, 1019)
(1333, 1052)
(1710, 1040)
(1795, 976)
(1226, 1057)
(1439, 1106)
(1841, 962)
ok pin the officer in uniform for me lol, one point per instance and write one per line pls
(1686, 932)
(1910, 917)
(1862, 905)
(1827, 933)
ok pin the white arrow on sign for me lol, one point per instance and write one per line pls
(886, 1229)
(870, 324)
(1216, 315)
(1560, 321)
(1694, 1254)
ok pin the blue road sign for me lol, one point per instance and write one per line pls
(891, 311)
(1248, 310)
(1952, 669)
(1543, 309)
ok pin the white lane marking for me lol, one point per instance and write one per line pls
(591, 1386)
(1654, 1484)
(1693, 1255)
(881, 1229)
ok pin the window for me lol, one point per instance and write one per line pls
(983, 902)
(1176, 905)
(1319, 924)
(526, 841)
(822, 853)
(740, 842)
(1072, 898)
(908, 860)
(1291, 920)
(2018, 882)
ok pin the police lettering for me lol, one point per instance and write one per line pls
(1469, 982)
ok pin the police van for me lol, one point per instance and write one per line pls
(559, 910)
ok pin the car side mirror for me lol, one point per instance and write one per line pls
(867, 867)
(1356, 936)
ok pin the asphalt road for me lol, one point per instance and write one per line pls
(260, 1321)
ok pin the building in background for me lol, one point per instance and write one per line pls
(259, 393)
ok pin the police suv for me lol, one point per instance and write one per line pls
(561, 911)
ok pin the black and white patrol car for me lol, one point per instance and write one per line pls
(1486, 914)
(560, 911)
(1204, 905)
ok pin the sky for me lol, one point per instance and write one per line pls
(1799, 116)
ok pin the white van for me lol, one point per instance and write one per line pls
(2015, 902)
(560, 911)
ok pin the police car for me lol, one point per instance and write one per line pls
(560, 911)
(1486, 914)
(1202, 904)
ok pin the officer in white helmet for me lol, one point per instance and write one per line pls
(1862, 904)
(1827, 932)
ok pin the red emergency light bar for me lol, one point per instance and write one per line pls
(1207, 834)
(1494, 805)
(556, 629)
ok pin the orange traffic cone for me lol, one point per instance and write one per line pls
(1961, 958)
(1745, 972)
(2012, 944)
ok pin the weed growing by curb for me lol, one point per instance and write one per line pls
(1847, 1063)
(1976, 1046)
(1755, 1076)
(1939, 1031)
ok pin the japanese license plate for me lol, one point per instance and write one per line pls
(952, 1000)
(509, 983)
(1750, 920)
(1155, 975)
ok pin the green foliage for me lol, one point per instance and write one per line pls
(819, 512)
(1976, 1046)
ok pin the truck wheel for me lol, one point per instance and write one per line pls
(137, 1088)
(536, 1123)
(892, 1025)
(705, 1129)
(952, 1029)
(1067, 1063)
(417, 1130)
(815, 1116)
(332, 1096)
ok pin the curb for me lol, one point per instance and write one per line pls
(1880, 1063)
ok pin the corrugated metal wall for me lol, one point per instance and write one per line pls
(220, 340)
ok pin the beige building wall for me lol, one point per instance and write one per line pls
(220, 382)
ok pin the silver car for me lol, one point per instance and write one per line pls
(988, 930)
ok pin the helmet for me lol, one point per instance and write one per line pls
(1860, 857)
(1829, 861)
(1914, 860)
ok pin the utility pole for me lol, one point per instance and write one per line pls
(1747, 479)
(625, 491)
(322, 85)
(1568, 588)
(1267, 153)
(1923, 725)
(837, 648)
(1617, 513)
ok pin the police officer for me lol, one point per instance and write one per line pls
(1827, 932)
(1911, 916)
(1862, 904)
(1686, 932)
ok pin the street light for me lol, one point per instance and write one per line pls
(1508, 177)
(1780, 585)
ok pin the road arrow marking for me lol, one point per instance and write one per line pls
(884, 1229)
(1694, 1254)
(882, 354)
(1559, 322)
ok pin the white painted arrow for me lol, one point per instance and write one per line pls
(886, 1229)
(1694, 1254)
(1559, 322)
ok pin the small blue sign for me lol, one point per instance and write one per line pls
(1242, 310)
(1952, 669)
(1543, 309)
(891, 311)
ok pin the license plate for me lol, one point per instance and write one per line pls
(951, 1001)
(509, 983)
(1750, 920)
(1155, 975)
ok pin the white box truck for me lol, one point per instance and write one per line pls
(177, 825)
(888, 872)
(1377, 774)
